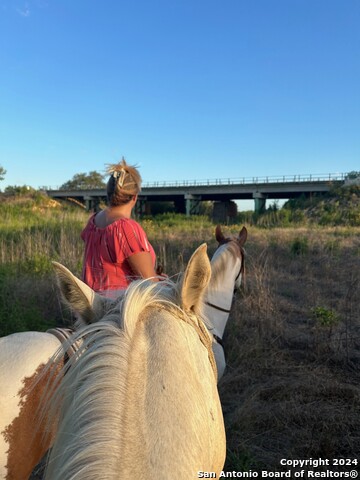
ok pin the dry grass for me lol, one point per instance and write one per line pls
(291, 389)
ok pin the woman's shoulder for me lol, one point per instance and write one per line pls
(130, 224)
(126, 226)
(90, 224)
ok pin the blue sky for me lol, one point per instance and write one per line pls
(186, 89)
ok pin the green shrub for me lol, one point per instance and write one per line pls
(325, 317)
(299, 246)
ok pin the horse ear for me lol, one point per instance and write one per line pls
(242, 236)
(88, 306)
(219, 235)
(196, 278)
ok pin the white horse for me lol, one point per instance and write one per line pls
(24, 355)
(140, 398)
(227, 269)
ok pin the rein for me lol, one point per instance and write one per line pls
(63, 335)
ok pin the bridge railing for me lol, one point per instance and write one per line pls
(321, 177)
(260, 180)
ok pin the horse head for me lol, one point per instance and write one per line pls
(228, 267)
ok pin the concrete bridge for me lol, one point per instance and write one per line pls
(187, 195)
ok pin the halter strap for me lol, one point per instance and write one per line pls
(218, 340)
(221, 309)
(217, 307)
(241, 270)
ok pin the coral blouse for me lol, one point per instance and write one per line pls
(107, 250)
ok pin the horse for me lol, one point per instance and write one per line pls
(24, 356)
(227, 267)
(139, 399)
(23, 359)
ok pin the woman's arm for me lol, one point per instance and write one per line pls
(142, 265)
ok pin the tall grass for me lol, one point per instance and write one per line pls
(293, 342)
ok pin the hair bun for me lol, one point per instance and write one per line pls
(124, 182)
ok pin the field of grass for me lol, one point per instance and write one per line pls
(291, 389)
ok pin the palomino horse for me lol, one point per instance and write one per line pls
(227, 268)
(139, 399)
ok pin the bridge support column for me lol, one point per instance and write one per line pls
(141, 207)
(192, 204)
(225, 212)
(92, 204)
(260, 202)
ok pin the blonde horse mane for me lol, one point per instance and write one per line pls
(90, 397)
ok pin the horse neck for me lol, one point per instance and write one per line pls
(168, 371)
(225, 269)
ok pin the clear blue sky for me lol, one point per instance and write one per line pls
(186, 89)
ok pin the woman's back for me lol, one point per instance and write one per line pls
(108, 246)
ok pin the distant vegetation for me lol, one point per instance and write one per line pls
(2, 173)
(82, 181)
(340, 206)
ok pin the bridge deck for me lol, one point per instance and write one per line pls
(259, 189)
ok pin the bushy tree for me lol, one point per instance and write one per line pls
(352, 175)
(2, 173)
(18, 190)
(83, 181)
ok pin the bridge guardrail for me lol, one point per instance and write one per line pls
(250, 180)
(258, 180)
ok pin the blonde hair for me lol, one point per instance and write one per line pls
(123, 184)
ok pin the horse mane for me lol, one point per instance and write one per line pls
(102, 356)
(95, 380)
